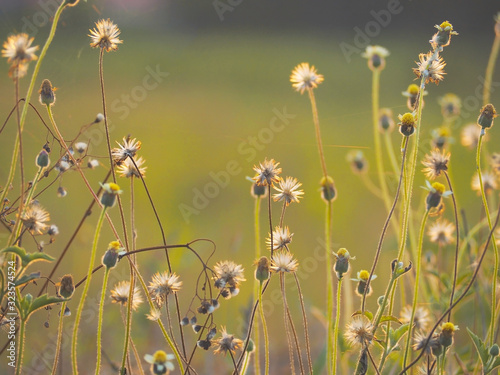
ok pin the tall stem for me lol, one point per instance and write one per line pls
(329, 286)
(85, 291)
(490, 68)
(20, 349)
(264, 328)
(99, 321)
(59, 338)
(336, 327)
(256, 334)
(318, 132)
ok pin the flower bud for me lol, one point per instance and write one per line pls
(262, 272)
(66, 286)
(342, 264)
(446, 335)
(328, 191)
(109, 193)
(407, 124)
(47, 96)
(494, 350)
(385, 121)
(486, 116)
(358, 162)
(43, 160)
(434, 197)
(110, 257)
(250, 347)
(258, 191)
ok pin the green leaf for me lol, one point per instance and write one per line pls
(367, 313)
(27, 278)
(493, 365)
(481, 348)
(386, 318)
(42, 301)
(27, 258)
(19, 251)
(397, 334)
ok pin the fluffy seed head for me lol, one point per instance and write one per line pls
(435, 163)
(359, 331)
(120, 293)
(288, 191)
(105, 36)
(267, 173)
(283, 261)
(162, 285)
(227, 343)
(17, 49)
(305, 77)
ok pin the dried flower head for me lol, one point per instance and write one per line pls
(443, 36)
(262, 272)
(441, 232)
(227, 343)
(66, 286)
(47, 96)
(120, 293)
(161, 362)
(376, 57)
(430, 68)
(283, 261)
(281, 238)
(18, 51)
(288, 191)
(105, 36)
(162, 285)
(435, 163)
(267, 173)
(450, 105)
(128, 169)
(34, 218)
(412, 94)
(429, 347)
(81, 147)
(128, 149)
(486, 116)
(154, 315)
(359, 331)
(470, 136)
(489, 182)
(420, 319)
(228, 274)
(305, 77)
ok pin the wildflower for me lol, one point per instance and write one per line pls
(257, 191)
(412, 94)
(128, 169)
(53, 230)
(128, 149)
(362, 279)
(376, 57)
(441, 137)
(441, 232)
(267, 173)
(105, 36)
(435, 163)
(407, 125)
(161, 362)
(163, 285)
(42, 159)
(328, 191)
(81, 147)
(288, 191)
(62, 166)
(110, 257)
(227, 343)
(281, 238)
(357, 161)
(359, 331)
(430, 68)
(436, 192)
(66, 286)
(305, 77)
(93, 163)
(489, 182)
(429, 347)
(486, 116)
(17, 49)
(262, 272)
(470, 136)
(228, 274)
(120, 293)
(420, 319)
(154, 315)
(450, 106)
(385, 121)
(47, 96)
(443, 37)
(495, 163)
(446, 335)
(109, 193)
(283, 261)
(342, 263)
(34, 218)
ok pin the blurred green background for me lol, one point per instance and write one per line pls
(227, 79)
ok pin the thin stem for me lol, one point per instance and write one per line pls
(493, 240)
(31, 86)
(59, 338)
(270, 219)
(20, 349)
(417, 280)
(336, 327)
(304, 320)
(20, 138)
(390, 151)
(246, 362)
(318, 131)
(286, 321)
(99, 321)
(256, 334)
(490, 69)
(85, 291)
(234, 363)
(264, 328)
(329, 285)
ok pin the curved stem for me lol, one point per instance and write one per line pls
(318, 131)
(417, 280)
(99, 321)
(59, 338)
(490, 68)
(85, 291)
(329, 286)
(493, 240)
(264, 328)
(336, 328)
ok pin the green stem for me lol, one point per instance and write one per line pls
(318, 131)
(489, 70)
(99, 322)
(336, 328)
(59, 338)
(246, 362)
(31, 86)
(329, 286)
(85, 291)
(256, 333)
(20, 349)
(417, 280)
(493, 241)
(390, 151)
(264, 328)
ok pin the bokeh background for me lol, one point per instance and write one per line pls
(225, 69)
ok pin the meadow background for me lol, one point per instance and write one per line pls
(227, 79)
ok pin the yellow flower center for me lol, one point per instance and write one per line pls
(448, 327)
(342, 252)
(446, 24)
(160, 356)
(114, 245)
(444, 132)
(364, 275)
(440, 188)
(413, 89)
(113, 187)
(408, 119)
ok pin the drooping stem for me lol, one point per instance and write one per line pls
(99, 321)
(59, 338)
(85, 291)
(336, 327)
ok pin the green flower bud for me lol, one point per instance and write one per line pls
(110, 257)
(109, 193)
(47, 96)
(262, 272)
(42, 159)
(328, 191)
(494, 350)
(486, 116)
(66, 286)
